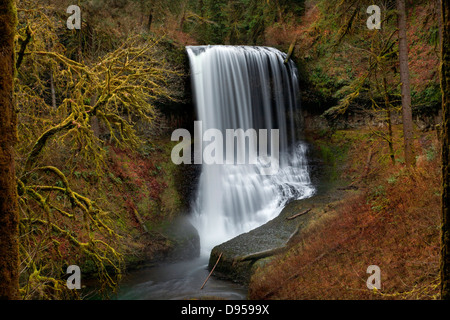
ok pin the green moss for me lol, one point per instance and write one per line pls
(8, 21)
(333, 152)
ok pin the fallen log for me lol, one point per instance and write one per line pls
(298, 215)
(260, 255)
(290, 52)
(349, 187)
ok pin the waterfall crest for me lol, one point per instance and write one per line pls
(242, 87)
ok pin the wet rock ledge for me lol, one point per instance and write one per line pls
(241, 255)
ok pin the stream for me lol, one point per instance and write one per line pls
(178, 281)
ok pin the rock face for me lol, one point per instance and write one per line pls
(241, 253)
(184, 238)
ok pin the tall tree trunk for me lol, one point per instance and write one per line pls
(201, 8)
(389, 120)
(150, 20)
(9, 217)
(150, 8)
(445, 82)
(408, 132)
(183, 15)
(439, 17)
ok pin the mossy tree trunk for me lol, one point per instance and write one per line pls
(445, 81)
(9, 233)
(408, 132)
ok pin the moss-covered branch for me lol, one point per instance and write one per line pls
(42, 141)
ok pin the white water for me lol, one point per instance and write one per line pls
(246, 88)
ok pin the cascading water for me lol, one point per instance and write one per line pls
(241, 87)
(234, 88)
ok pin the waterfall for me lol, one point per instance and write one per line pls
(242, 87)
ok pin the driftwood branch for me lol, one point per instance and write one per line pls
(209, 276)
(298, 215)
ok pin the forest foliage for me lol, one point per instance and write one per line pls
(72, 103)
(81, 92)
(343, 57)
(85, 98)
